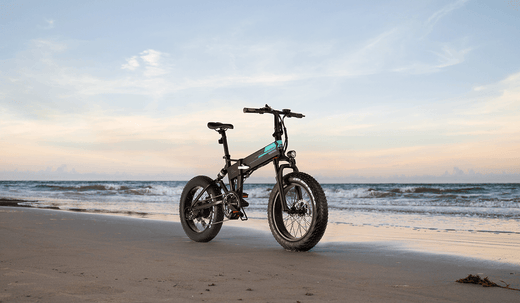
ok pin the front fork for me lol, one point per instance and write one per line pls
(279, 178)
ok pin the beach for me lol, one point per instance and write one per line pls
(63, 256)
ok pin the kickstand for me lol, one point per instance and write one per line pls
(244, 217)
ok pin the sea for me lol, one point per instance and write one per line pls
(481, 208)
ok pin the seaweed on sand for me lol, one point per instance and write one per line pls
(484, 282)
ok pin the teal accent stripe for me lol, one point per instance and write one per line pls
(269, 148)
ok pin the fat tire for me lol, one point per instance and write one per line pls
(214, 215)
(319, 213)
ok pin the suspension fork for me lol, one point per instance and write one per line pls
(279, 180)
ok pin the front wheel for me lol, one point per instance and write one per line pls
(301, 227)
(201, 225)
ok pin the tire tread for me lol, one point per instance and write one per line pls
(211, 232)
(314, 236)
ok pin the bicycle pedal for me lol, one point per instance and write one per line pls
(235, 215)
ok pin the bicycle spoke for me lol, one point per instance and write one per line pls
(202, 223)
(297, 225)
(300, 227)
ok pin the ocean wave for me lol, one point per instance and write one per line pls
(80, 187)
(338, 203)
(356, 193)
(439, 211)
(435, 190)
(158, 190)
(98, 187)
(450, 200)
(335, 192)
(258, 192)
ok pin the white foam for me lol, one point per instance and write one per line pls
(367, 204)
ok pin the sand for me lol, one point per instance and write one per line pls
(59, 256)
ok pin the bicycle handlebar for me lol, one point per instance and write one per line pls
(269, 110)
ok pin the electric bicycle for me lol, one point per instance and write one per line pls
(297, 211)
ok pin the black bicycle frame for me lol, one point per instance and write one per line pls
(243, 168)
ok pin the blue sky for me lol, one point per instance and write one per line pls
(125, 88)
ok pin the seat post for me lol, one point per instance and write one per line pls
(223, 141)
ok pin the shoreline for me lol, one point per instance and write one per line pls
(15, 203)
(85, 257)
(501, 248)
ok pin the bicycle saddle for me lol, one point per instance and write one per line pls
(217, 125)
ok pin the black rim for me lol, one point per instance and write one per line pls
(200, 220)
(296, 223)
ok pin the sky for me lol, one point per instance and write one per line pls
(392, 91)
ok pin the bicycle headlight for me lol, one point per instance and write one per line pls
(291, 154)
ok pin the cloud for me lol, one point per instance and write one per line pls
(152, 61)
(98, 140)
(478, 130)
(46, 46)
(369, 57)
(131, 64)
(105, 142)
(457, 176)
(45, 82)
(450, 56)
(501, 99)
(447, 56)
(221, 63)
(152, 57)
(52, 84)
(400, 49)
(435, 17)
(49, 24)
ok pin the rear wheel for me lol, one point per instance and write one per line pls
(200, 225)
(302, 226)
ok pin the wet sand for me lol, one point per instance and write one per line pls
(58, 256)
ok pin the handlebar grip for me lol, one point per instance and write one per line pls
(254, 110)
(295, 115)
